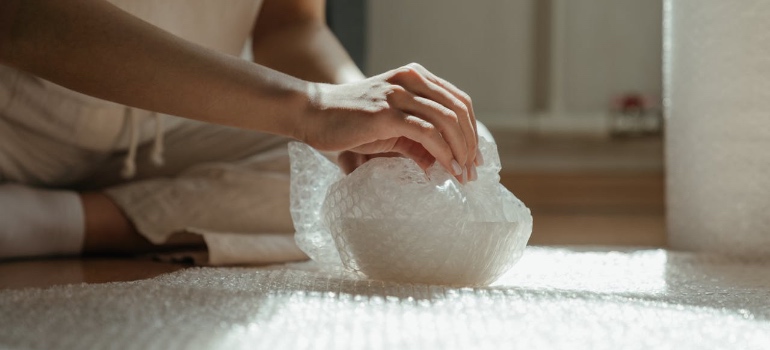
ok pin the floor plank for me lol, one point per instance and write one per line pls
(51, 272)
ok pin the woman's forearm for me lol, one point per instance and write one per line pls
(95, 48)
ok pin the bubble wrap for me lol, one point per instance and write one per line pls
(552, 299)
(717, 97)
(390, 220)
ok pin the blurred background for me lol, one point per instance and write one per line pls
(571, 91)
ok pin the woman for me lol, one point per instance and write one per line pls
(215, 126)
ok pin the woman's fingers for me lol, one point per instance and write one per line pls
(415, 82)
(459, 94)
(427, 135)
(414, 151)
(442, 118)
(419, 81)
(404, 147)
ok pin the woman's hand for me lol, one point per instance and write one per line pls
(408, 111)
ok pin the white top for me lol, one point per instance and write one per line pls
(95, 124)
(222, 25)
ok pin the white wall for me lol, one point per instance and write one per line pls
(481, 46)
(612, 47)
(487, 47)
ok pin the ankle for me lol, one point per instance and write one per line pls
(107, 228)
(109, 231)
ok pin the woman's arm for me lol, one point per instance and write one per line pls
(95, 48)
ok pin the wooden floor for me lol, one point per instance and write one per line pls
(51, 272)
(593, 208)
(581, 190)
(586, 189)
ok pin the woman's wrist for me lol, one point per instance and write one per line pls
(277, 103)
(298, 121)
(311, 124)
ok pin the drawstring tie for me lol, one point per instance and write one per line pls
(157, 145)
(129, 163)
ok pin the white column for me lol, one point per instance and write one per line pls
(717, 87)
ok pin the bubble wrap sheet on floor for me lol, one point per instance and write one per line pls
(553, 299)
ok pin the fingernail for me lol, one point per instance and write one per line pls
(456, 168)
(479, 158)
(465, 176)
(474, 173)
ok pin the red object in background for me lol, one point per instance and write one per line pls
(634, 114)
(631, 101)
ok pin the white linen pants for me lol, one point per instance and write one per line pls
(227, 184)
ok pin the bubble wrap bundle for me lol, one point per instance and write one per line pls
(717, 97)
(389, 220)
